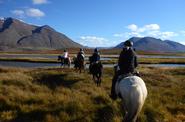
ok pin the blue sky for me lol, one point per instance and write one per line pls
(104, 23)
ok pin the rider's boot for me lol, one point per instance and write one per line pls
(113, 95)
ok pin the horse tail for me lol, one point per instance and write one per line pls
(135, 103)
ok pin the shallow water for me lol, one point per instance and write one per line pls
(165, 65)
(40, 65)
(159, 56)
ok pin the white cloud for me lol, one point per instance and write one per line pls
(152, 30)
(40, 1)
(132, 27)
(136, 34)
(152, 27)
(28, 12)
(182, 32)
(182, 42)
(167, 35)
(2, 18)
(93, 41)
(118, 35)
(19, 13)
(33, 12)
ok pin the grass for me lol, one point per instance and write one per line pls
(54, 94)
(161, 60)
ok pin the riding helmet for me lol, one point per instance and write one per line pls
(128, 43)
(95, 50)
(81, 49)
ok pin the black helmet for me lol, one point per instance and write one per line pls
(95, 50)
(128, 43)
(65, 50)
(81, 49)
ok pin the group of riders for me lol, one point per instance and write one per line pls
(95, 58)
(126, 65)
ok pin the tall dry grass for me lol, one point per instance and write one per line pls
(52, 95)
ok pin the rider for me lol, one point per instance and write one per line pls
(81, 55)
(65, 54)
(126, 65)
(95, 58)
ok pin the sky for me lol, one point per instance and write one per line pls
(103, 23)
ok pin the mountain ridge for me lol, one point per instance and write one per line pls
(151, 44)
(18, 34)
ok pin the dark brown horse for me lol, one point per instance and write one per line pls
(64, 61)
(79, 64)
(96, 69)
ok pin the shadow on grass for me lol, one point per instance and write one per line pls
(37, 115)
(52, 81)
(153, 115)
(104, 114)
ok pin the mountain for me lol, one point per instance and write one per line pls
(154, 45)
(18, 34)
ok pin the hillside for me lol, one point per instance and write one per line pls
(18, 34)
(155, 45)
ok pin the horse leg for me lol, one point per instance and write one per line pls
(130, 116)
(98, 80)
(84, 67)
(94, 78)
(80, 69)
(133, 107)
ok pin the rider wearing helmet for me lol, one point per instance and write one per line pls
(81, 55)
(126, 65)
(95, 56)
(127, 60)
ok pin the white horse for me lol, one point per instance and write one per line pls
(133, 93)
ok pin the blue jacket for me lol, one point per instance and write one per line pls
(95, 57)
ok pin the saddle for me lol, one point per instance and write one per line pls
(122, 76)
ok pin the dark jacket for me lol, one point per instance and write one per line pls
(95, 57)
(127, 61)
(80, 56)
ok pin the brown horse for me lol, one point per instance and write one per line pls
(79, 64)
(96, 70)
(64, 61)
